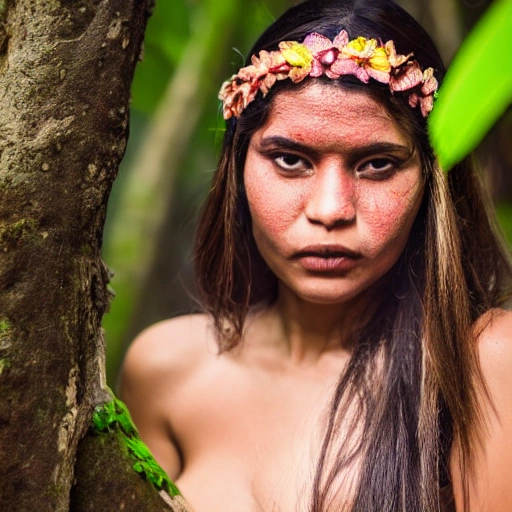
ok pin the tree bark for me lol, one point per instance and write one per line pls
(65, 72)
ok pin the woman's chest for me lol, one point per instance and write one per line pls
(251, 443)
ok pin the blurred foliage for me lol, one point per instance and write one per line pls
(462, 118)
(504, 212)
(148, 291)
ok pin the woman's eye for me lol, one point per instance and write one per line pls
(291, 163)
(378, 168)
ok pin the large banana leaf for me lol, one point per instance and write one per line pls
(477, 88)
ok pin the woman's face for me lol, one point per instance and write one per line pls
(333, 186)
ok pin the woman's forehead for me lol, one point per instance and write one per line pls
(329, 114)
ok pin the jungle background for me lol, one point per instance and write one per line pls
(191, 46)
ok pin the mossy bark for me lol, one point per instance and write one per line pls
(65, 72)
(101, 485)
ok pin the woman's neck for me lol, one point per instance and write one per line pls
(308, 331)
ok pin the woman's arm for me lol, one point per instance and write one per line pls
(490, 481)
(150, 377)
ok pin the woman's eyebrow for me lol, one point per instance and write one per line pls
(382, 147)
(277, 141)
(355, 152)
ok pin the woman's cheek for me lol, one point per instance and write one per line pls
(390, 217)
(274, 206)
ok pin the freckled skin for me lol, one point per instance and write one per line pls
(331, 201)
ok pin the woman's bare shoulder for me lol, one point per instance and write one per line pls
(158, 364)
(494, 335)
(173, 345)
(492, 470)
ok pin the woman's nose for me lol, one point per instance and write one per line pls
(331, 200)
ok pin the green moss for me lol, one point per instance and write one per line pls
(5, 326)
(113, 417)
(43, 416)
(86, 250)
(54, 491)
(4, 365)
(5, 332)
(19, 230)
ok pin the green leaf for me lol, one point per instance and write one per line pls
(104, 417)
(113, 416)
(124, 419)
(477, 88)
(138, 448)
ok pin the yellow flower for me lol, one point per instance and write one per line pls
(296, 54)
(379, 60)
(361, 47)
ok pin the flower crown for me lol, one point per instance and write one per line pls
(318, 55)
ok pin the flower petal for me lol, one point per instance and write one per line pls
(247, 93)
(316, 68)
(380, 76)
(360, 48)
(316, 43)
(273, 60)
(341, 40)
(379, 60)
(332, 74)
(355, 48)
(362, 74)
(226, 88)
(298, 74)
(296, 54)
(429, 82)
(250, 73)
(345, 66)
(409, 77)
(395, 59)
(426, 104)
(267, 83)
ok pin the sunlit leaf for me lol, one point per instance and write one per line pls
(477, 88)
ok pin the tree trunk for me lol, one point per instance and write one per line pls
(65, 73)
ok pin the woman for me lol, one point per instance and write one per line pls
(353, 354)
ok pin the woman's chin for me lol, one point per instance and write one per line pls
(334, 292)
(326, 295)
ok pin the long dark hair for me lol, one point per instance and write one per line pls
(413, 376)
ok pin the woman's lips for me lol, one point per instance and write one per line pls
(327, 259)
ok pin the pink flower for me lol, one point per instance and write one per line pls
(406, 77)
(236, 96)
(430, 83)
(426, 103)
(325, 52)
(241, 89)
(425, 95)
